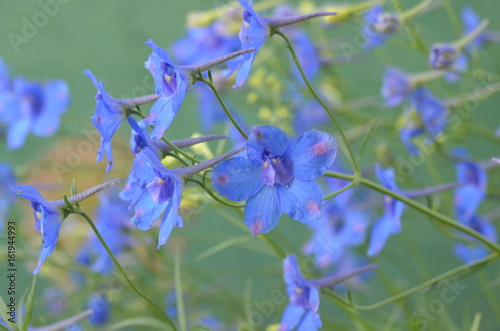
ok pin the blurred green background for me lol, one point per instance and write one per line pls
(108, 38)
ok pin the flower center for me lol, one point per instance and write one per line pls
(169, 81)
(276, 169)
(161, 190)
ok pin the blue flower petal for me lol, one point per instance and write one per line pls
(237, 178)
(50, 223)
(56, 99)
(266, 137)
(291, 317)
(381, 231)
(262, 211)
(312, 153)
(301, 199)
(310, 322)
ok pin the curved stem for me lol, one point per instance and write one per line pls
(429, 283)
(219, 98)
(120, 269)
(317, 97)
(212, 194)
(424, 209)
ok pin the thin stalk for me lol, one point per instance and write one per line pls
(318, 98)
(122, 272)
(219, 98)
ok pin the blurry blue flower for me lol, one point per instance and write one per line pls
(32, 106)
(112, 220)
(48, 220)
(278, 176)
(341, 227)
(458, 67)
(171, 85)
(468, 197)
(432, 111)
(153, 190)
(470, 253)
(396, 86)
(390, 222)
(7, 179)
(309, 115)
(470, 21)
(108, 116)
(203, 44)
(443, 55)
(209, 107)
(379, 26)
(302, 312)
(100, 305)
(408, 133)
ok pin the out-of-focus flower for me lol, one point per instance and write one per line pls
(302, 311)
(379, 26)
(32, 106)
(342, 226)
(277, 177)
(431, 110)
(100, 306)
(390, 222)
(468, 197)
(444, 55)
(470, 253)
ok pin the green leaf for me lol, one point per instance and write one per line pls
(221, 246)
(151, 323)
(5, 317)
(476, 322)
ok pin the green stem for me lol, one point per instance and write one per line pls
(120, 269)
(429, 283)
(219, 98)
(213, 195)
(317, 97)
(424, 209)
(29, 308)
(462, 42)
(404, 16)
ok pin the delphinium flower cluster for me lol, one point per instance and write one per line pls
(286, 136)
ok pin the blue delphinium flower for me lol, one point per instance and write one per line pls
(410, 131)
(254, 32)
(109, 115)
(470, 253)
(277, 177)
(153, 190)
(48, 220)
(379, 26)
(49, 215)
(35, 107)
(100, 306)
(468, 197)
(171, 85)
(432, 111)
(443, 55)
(302, 312)
(396, 86)
(341, 227)
(7, 179)
(309, 115)
(390, 222)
